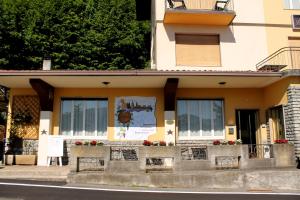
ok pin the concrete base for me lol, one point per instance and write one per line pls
(209, 179)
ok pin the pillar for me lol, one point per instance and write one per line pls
(44, 130)
(169, 114)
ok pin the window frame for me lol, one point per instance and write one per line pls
(95, 137)
(201, 137)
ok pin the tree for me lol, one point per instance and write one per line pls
(77, 34)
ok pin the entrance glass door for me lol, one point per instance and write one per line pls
(247, 127)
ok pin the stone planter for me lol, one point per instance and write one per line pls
(227, 156)
(90, 154)
(159, 157)
(284, 155)
(25, 159)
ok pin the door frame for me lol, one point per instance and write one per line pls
(257, 121)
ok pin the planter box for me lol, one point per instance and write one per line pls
(89, 152)
(25, 159)
(284, 155)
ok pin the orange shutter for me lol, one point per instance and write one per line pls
(197, 50)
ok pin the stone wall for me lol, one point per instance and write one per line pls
(30, 147)
(71, 142)
(159, 158)
(292, 117)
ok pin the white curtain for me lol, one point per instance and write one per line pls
(90, 117)
(84, 117)
(206, 118)
(182, 116)
(292, 4)
(66, 109)
(102, 118)
(200, 118)
(78, 118)
(194, 116)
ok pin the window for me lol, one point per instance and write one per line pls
(292, 4)
(200, 119)
(197, 50)
(84, 117)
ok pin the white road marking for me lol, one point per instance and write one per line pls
(147, 191)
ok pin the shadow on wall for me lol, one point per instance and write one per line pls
(226, 33)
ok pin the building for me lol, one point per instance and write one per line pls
(214, 76)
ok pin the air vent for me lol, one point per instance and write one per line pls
(296, 21)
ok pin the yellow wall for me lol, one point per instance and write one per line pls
(278, 24)
(276, 93)
(111, 94)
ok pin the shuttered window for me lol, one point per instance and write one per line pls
(197, 50)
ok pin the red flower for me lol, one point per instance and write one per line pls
(147, 143)
(216, 142)
(78, 143)
(93, 142)
(230, 142)
(281, 141)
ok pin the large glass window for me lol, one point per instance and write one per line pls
(292, 4)
(84, 117)
(200, 119)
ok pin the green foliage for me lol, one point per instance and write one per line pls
(77, 34)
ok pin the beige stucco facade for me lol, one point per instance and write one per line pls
(279, 24)
(245, 36)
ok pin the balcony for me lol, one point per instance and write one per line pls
(199, 12)
(287, 58)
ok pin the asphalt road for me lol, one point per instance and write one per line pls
(45, 191)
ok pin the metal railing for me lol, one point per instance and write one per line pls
(285, 58)
(262, 151)
(198, 5)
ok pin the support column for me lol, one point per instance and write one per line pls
(46, 94)
(170, 127)
(292, 117)
(44, 130)
(170, 113)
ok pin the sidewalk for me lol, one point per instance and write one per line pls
(52, 173)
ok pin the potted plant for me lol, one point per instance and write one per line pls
(231, 142)
(100, 143)
(147, 143)
(93, 143)
(162, 143)
(78, 143)
(281, 141)
(216, 142)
